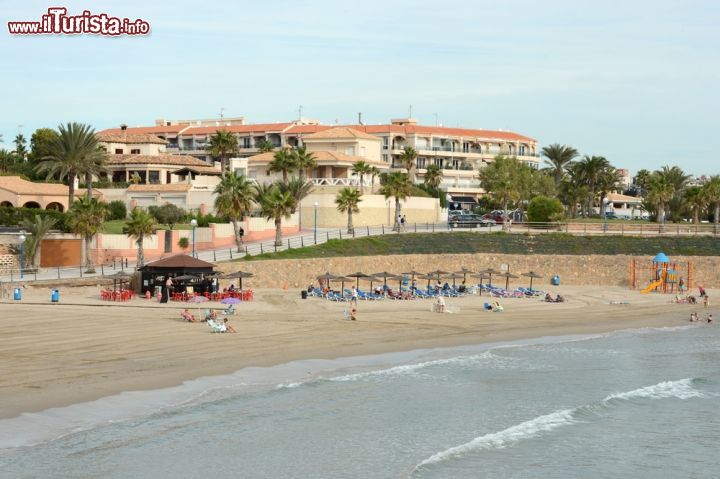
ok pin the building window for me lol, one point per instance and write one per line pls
(362, 151)
(385, 142)
(246, 142)
(385, 158)
(118, 151)
(135, 151)
(153, 177)
(350, 150)
(466, 147)
(421, 163)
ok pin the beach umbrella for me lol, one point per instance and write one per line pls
(357, 277)
(197, 300)
(455, 276)
(230, 301)
(507, 277)
(481, 277)
(531, 275)
(327, 277)
(372, 279)
(413, 273)
(343, 280)
(385, 275)
(239, 275)
(121, 277)
(490, 272)
(464, 271)
(428, 278)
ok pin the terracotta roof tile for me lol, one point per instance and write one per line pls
(323, 157)
(201, 170)
(174, 129)
(341, 132)
(19, 186)
(129, 138)
(174, 160)
(256, 128)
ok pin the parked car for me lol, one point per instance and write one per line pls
(470, 221)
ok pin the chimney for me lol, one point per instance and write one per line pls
(123, 130)
(360, 118)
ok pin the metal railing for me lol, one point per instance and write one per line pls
(323, 235)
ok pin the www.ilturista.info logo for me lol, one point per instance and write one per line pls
(58, 22)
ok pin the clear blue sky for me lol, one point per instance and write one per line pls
(635, 81)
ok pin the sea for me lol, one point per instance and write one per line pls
(629, 404)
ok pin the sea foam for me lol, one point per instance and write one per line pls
(680, 389)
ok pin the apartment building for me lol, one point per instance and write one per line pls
(459, 152)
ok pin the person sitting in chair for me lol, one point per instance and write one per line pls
(187, 316)
(548, 298)
(212, 314)
(559, 299)
(497, 307)
(228, 327)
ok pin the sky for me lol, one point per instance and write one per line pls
(634, 81)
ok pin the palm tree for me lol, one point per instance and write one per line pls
(223, 145)
(20, 148)
(374, 173)
(275, 205)
(86, 217)
(695, 199)
(298, 189)
(433, 176)
(642, 179)
(304, 161)
(347, 200)
(677, 177)
(396, 185)
(361, 168)
(407, 158)
(558, 157)
(591, 168)
(93, 166)
(265, 146)
(660, 191)
(140, 226)
(712, 196)
(234, 199)
(75, 152)
(38, 229)
(283, 162)
(7, 160)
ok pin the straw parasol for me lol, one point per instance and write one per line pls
(490, 272)
(357, 276)
(480, 276)
(120, 277)
(239, 275)
(428, 278)
(531, 275)
(343, 280)
(507, 277)
(413, 273)
(455, 276)
(385, 275)
(327, 277)
(464, 271)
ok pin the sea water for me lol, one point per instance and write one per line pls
(631, 404)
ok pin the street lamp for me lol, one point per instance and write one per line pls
(605, 202)
(316, 204)
(448, 199)
(22, 253)
(193, 223)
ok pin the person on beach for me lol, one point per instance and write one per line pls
(548, 298)
(681, 284)
(497, 307)
(168, 289)
(353, 314)
(691, 299)
(403, 223)
(693, 317)
(701, 290)
(559, 299)
(706, 301)
(440, 305)
(188, 316)
(709, 318)
(212, 314)
(354, 296)
(228, 326)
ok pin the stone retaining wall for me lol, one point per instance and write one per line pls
(574, 270)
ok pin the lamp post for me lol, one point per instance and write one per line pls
(316, 204)
(193, 223)
(605, 202)
(448, 199)
(22, 253)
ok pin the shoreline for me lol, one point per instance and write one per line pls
(76, 356)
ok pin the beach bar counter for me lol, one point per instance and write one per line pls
(154, 275)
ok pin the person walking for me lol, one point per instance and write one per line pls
(354, 296)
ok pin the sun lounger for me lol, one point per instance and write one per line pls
(229, 310)
(216, 327)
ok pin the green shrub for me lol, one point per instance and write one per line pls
(167, 214)
(10, 216)
(118, 210)
(543, 210)
(183, 243)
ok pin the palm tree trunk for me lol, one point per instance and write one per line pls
(278, 231)
(716, 215)
(238, 239)
(696, 215)
(362, 187)
(350, 222)
(505, 216)
(660, 213)
(88, 184)
(284, 176)
(591, 204)
(71, 189)
(396, 225)
(140, 254)
(89, 266)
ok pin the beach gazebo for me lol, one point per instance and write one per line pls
(156, 273)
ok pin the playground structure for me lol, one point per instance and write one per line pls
(661, 275)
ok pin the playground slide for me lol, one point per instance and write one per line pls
(652, 286)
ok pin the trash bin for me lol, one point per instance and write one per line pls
(303, 294)
(17, 294)
(55, 296)
(556, 280)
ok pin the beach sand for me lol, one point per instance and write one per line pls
(82, 349)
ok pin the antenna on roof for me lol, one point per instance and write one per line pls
(410, 111)
(222, 109)
(360, 118)
(299, 112)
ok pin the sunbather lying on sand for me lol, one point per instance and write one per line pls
(187, 316)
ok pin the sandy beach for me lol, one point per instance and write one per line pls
(82, 349)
